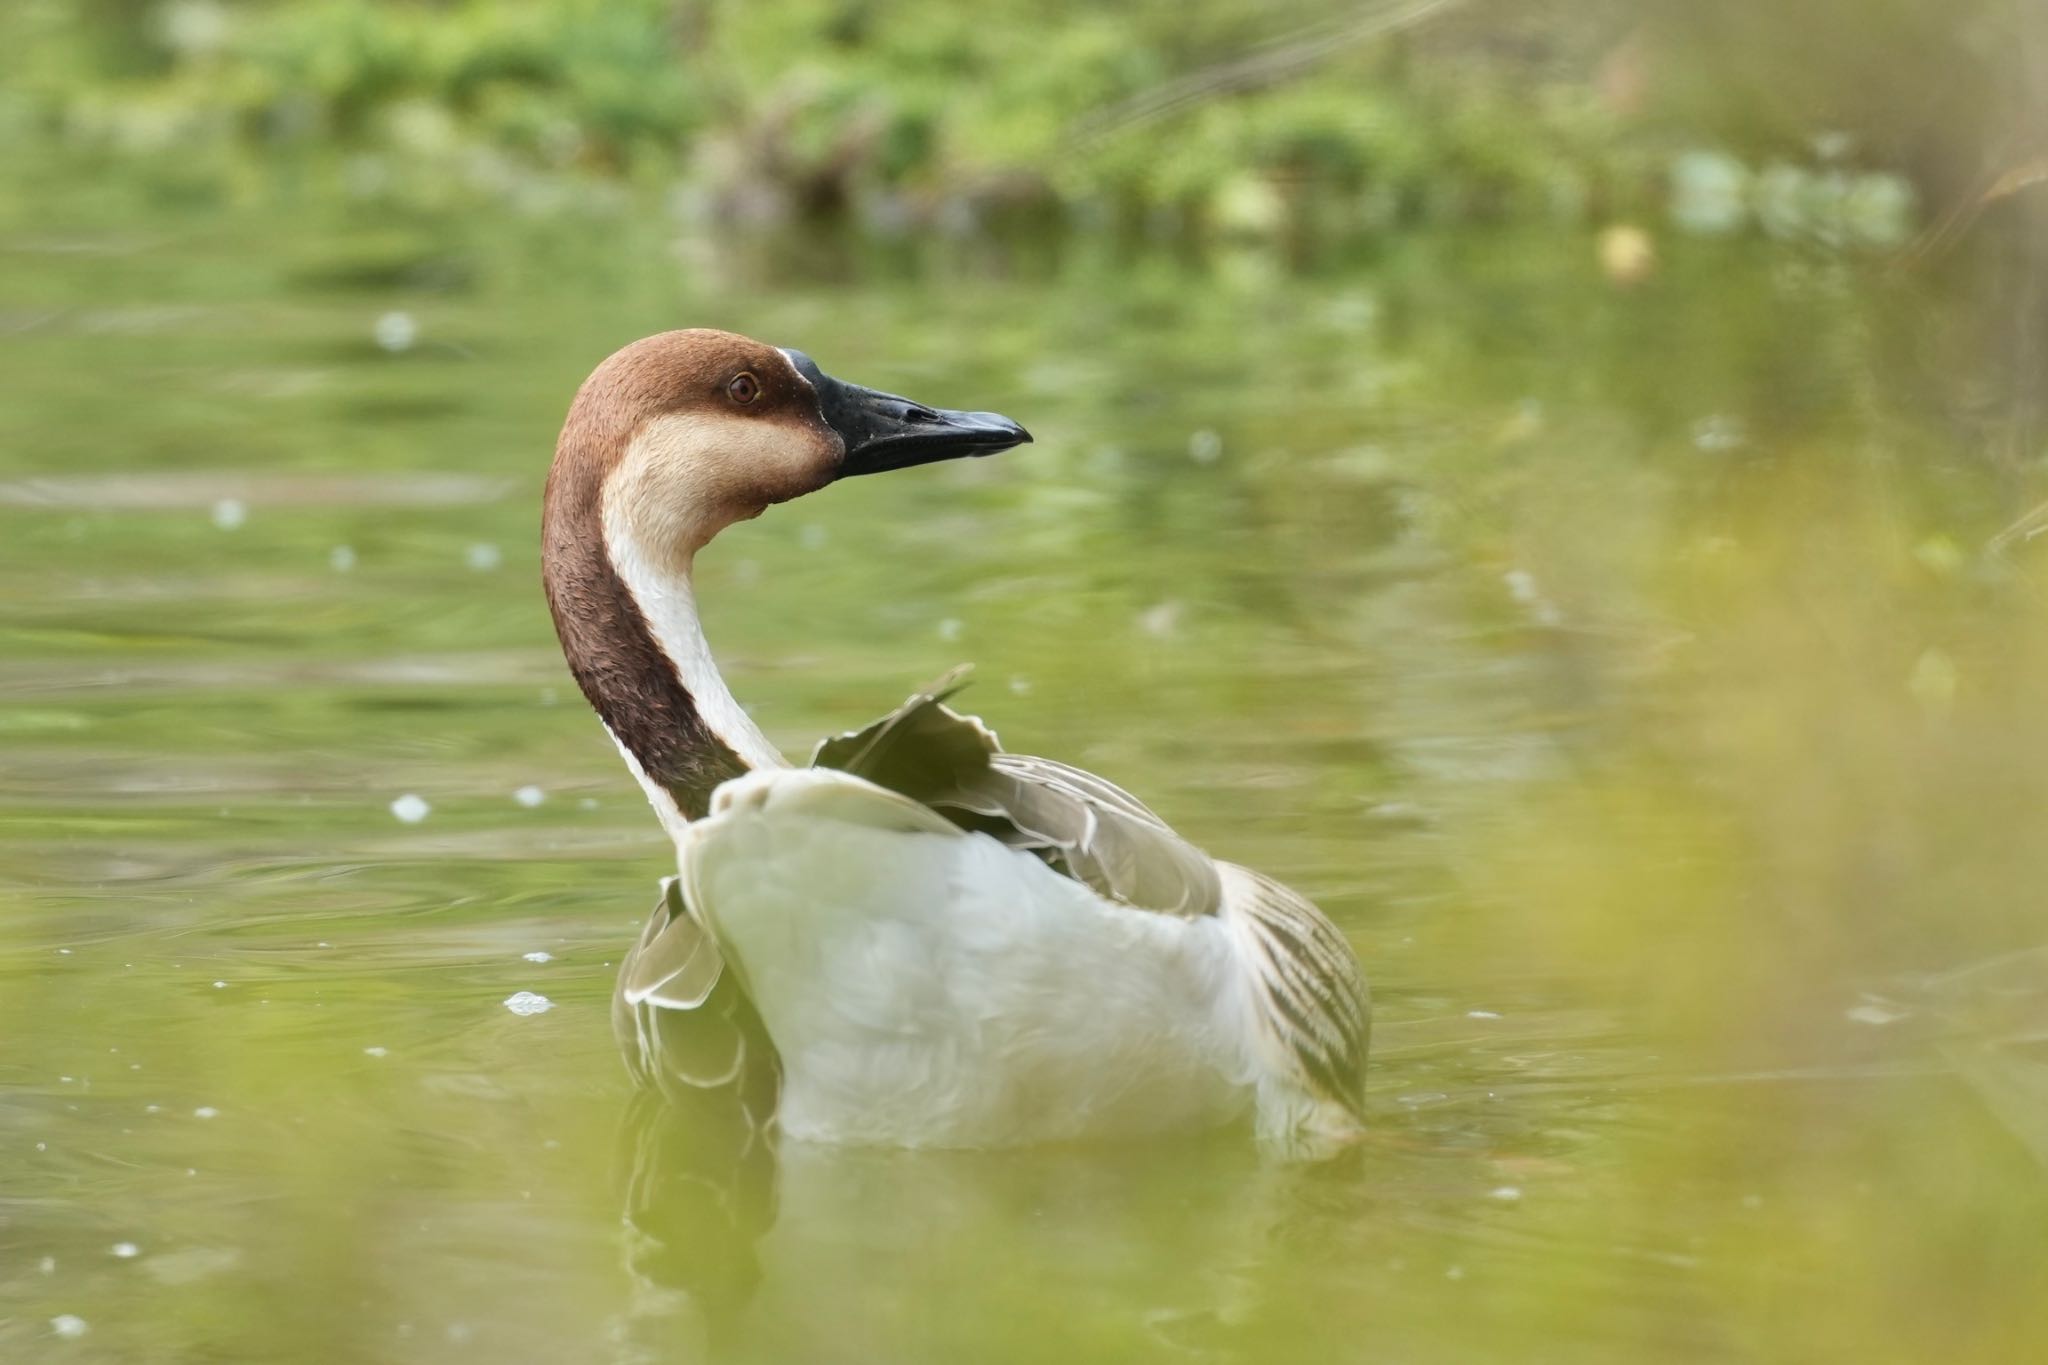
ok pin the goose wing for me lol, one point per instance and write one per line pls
(1311, 995)
(1088, 828)
(675, 965)
(683, 1022)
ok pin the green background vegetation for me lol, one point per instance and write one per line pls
(1301, 119)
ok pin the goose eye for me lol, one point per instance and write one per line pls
(743, 389)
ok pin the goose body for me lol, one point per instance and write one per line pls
(916, 939)
(952, 991)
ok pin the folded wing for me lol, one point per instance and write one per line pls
(1092, 830)
(683, 1022)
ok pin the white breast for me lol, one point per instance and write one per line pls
(929, 987)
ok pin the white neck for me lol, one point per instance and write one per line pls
(668, 605)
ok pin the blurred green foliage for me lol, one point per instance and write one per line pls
(1303, 120)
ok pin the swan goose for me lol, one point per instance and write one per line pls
(918, 939)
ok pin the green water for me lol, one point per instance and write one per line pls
(1629, 672)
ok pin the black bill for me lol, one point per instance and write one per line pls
(884, 432)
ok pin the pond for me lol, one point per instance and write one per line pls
(1635, 672)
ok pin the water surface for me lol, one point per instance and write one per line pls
(1631, 673)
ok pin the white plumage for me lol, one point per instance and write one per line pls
(929, 986)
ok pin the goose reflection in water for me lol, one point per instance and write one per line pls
(741, 1248)
(697, 1163)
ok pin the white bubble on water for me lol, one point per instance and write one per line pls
(1205, 447)
(411, 808)
(529, 796)
(1161, 619)
(539, 955)
(1719, 432)
(396, 331)
(230, 513)
(483, 556)
(526, 1002)
(69, 1326)
(376, 1052)
(205, 1111)
(126, 1251)
(341, 558)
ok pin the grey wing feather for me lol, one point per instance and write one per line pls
(1310, 989)
(1095, 832)
(676, 963)
(1091, 829)
(683, 1022)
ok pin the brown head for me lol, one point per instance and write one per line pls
(668, 442)
(679, 435)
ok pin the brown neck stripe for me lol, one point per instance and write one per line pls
(624, 675)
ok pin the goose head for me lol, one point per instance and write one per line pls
(679, 435)
(667, 443)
